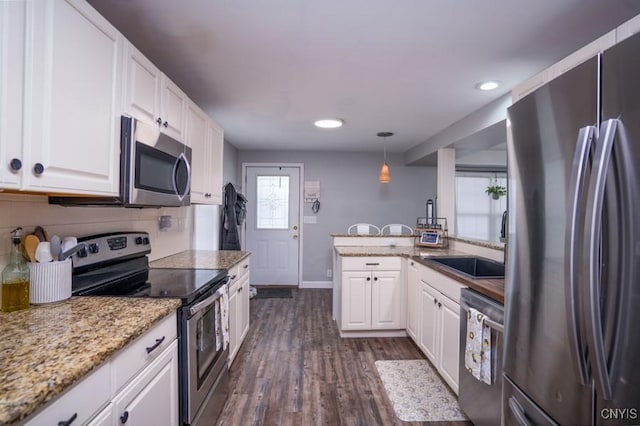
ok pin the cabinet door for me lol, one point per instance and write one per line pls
(356, 300)
(243, 301)
(197, 135)
(12, 40)
(233, 321)
(428, 328)
(449, 342)
(142, 86)
(152, 397)
(386, 300)
(72, 99)
(216, 141)
(105, 418)
(413, 281)
(173, 108)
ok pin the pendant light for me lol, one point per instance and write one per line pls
(385, 175)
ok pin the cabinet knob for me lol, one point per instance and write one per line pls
(368, 278)
(435, 302)
(439, 305)
(240, 289)
(165, 124)
(68, 421)
(124, 417)
(159, 121)
(375, 278)
(412, 263)
(38, 168)
(15, 164)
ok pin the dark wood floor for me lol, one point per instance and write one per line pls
(294, 369)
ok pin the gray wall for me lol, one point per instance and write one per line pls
(350, 193)
(231, 171)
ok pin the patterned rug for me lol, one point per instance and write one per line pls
(417, 392)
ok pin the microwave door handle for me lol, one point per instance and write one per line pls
(181, 158)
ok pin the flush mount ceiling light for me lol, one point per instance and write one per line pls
(488, 85)
(329, 123)
(385, 175)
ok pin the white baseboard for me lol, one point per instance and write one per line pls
(373, 334)
(317, 284)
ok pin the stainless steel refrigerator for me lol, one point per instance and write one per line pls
(572, 338)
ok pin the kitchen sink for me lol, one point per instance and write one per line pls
(475, 267)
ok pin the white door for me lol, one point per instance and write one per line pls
(273, 224)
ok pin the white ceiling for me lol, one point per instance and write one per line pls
(266, 69)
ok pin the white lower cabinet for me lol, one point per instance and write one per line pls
(139, 386)
(413, 281)
(152, 397)
(238, 307)
(372, 294)
(438, 320)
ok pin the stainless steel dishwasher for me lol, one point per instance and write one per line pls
(482, 402)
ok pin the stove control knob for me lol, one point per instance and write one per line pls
(94, 248)
(138, 240)
(82, 252)
(145, 240)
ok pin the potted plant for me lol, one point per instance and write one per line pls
(496, 191)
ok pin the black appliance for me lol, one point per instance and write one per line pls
(116, 264)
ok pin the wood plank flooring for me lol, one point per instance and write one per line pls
(294, 369)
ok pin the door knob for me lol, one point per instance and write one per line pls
(295, 227)
(295, 237)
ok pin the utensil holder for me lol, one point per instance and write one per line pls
(49, 282)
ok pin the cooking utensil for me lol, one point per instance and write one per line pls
(41, 233)
(56, 246)
(68, 243)
(71, 251)
(43, 252)
(30, 245)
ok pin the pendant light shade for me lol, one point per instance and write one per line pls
(385, 174)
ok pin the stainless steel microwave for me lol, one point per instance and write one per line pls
(155, 170)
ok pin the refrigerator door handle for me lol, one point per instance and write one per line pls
(595, 206)
(518, 412)
(576, 192)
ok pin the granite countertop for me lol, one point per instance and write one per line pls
(374, 235)
(45, 349)
(480, 243)
(201, 259)
(494, 288)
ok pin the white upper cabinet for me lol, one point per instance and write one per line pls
(142, 87)
(173, 108)
(12, 39)
(150, 96)
(197, 132)
(72, 100)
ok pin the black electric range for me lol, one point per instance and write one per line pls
(116, 264)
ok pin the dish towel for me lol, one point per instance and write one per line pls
(224, 314)
(477, 353)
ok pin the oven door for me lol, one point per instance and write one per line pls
(205, 363)
(159, 171)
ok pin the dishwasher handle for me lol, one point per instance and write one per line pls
(488, 321)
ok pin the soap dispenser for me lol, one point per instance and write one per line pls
(14, 291)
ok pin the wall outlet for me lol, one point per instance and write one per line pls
(329, 273)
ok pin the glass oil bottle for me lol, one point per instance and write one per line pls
(14, 291)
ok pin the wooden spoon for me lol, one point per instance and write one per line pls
(30, 244)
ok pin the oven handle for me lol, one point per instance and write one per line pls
(491, 323)
(200, 306)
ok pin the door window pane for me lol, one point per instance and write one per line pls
(273, 202)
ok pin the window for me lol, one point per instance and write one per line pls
(478, 216)
(272, 202)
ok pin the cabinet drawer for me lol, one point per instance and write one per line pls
(445, 285)
(135, 357)
(371, 263)
(83, 400)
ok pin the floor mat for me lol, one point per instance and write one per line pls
(417, 392)
(274, 293)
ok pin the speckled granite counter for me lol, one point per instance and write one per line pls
(406, 251)
(201, 259)
(479, 243)
(45, 349)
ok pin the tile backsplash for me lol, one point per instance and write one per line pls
(30, 211)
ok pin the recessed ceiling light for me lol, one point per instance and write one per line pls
(329, 123)
(488, 85)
